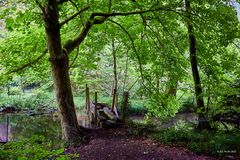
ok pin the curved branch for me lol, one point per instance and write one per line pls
(40, 6)
(62, 1)
(71, 45)
(236, 45)
(134, 48)
(110, 5)
(73, 16)
(175, 43)
(29, 63)
(75, 5)
(70, 66)
(156, 36)
(128, 13)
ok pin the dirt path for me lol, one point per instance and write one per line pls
(116, 144)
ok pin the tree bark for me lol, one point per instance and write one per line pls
(124, 106)
(114, 65)
(125, 72)
(115, 87)
(71, 131)
(202, 121)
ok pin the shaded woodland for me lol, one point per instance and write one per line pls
(172, 64)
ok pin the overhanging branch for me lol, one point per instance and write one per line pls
(61, 1)
(73, 16)
(236, 45)
(102, 17)
(134, 48)
(76, 6)
(71, 45)
(29, 63)
(40, 6)
(127, 13)
(70, 66)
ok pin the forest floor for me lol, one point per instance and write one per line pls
(118, 144)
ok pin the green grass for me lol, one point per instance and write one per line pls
(32, 100)
(136, 107)
(44, 99)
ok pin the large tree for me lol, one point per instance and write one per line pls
(153, 33)
(202, 121)
(59, 54)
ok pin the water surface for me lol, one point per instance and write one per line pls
(17, 126)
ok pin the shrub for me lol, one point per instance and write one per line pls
(162, 105)
(214, 144)
(140, 129)
(229, 107)
(180, 132)
(188, 105)
(34, 148)
(136, 107)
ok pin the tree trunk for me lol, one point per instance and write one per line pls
(124, 106)
(115, 88)
(202, 121)
(114, 65)
(125, 72)
(71, 132)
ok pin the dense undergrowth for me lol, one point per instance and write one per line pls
(216, 143)
(219, 142)
(34, 148)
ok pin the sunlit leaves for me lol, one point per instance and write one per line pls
(157, 40)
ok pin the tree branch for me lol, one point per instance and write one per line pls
(127, 13)
(71, 45)
(40, 6)
(175, 42)
(29, 63)
(110, 5)
(73, 16)
(75, 5)
(136, 52)
(62, 1)
(163, 8)
(70, 66)
(134, 48)
(236, 45)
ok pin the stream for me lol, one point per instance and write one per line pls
(16, 126)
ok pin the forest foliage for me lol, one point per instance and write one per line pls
(151, 49)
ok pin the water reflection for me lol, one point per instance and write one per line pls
(24, 126)
(14, 127)
(5, 129)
